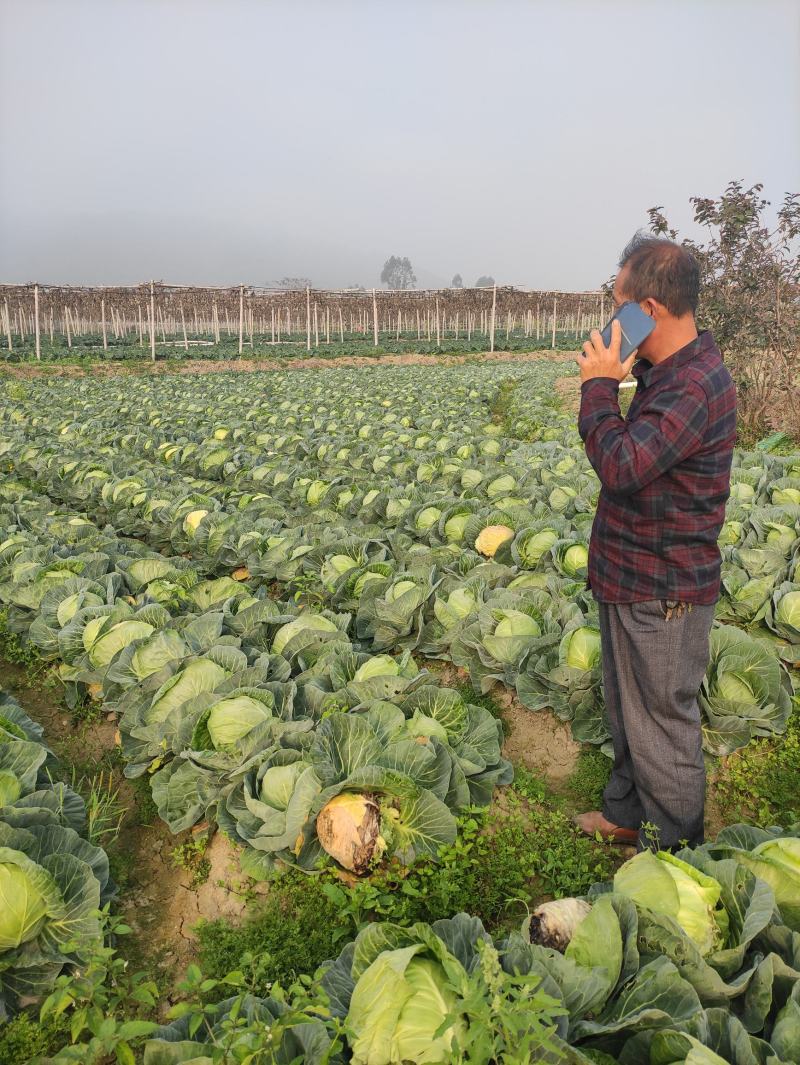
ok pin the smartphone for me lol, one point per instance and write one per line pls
(635, 326)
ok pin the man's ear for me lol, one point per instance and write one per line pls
(653, 308)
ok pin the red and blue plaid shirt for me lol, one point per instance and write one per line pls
(665, 476)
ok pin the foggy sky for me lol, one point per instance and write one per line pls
(228, 141)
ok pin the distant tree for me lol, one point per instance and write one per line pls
(356, 288)
(295, 282)
(750, 281)
(398, 273)
(457, 282)
(484, 282)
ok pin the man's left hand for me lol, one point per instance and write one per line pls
(601, 361)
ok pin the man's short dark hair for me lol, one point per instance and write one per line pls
(662, 270)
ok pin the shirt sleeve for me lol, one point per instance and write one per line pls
(627, 456)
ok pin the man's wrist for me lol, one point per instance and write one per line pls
(610, 383)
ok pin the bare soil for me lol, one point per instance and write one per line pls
(538, 740)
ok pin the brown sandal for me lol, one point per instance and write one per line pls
(593, 822)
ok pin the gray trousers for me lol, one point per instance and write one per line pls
(652, 671)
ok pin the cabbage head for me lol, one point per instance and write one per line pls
(398, 1005)
(459, 604)
(581, 648)
(666, 885)
(531, 546)
(229, 720)
(278, 783)
(378, 666)
(303, 623)
(512, 634)
(777, 861)
(454, 527)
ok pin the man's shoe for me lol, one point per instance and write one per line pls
(593, 822)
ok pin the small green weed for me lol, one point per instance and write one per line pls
(291, 932)
(19, 652)
(144, 808)
(104, 809)
(759, 783)
(191, 856)
(589, 778)
(24, 1038)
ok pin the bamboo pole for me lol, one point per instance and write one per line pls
(183, 326)
(241, 317)
(438, 327)
(152, 322)
(36, 323)
(7, 321)
(103, 316)
(308, 318)
(491, 323)
(553, 344)
(375, 317)
(67, 323)
(341, 327)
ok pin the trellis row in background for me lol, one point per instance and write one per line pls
(185, 316)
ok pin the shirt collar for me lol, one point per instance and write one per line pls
(645, 372)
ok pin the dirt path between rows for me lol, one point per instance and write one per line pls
(26, 371)
(157, 898)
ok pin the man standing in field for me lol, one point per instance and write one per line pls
(654, 564)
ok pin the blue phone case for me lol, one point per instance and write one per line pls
(635, 325)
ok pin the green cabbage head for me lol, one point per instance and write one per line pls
(665, 884)
(398, 1005)
(582, 648)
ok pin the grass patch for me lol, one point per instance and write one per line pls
(295, 929)
(587, 781)
(24, 1038)
(20, 653)
(759, 783)
(144, 808)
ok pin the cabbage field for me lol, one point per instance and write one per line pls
(260, 576)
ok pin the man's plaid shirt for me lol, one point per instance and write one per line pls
(665, 476)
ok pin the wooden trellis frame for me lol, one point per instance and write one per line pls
(156, 313)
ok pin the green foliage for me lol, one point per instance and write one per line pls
(104, 808)
(191, 856)
(107, 1006)
(759, 783)
(508, 1018)
(25, 1037)
(19, 652)
(589, 778)
(398, 273)
(750, 274)
(293, 930)
(144, 808)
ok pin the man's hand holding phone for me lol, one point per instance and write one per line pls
(601, 361)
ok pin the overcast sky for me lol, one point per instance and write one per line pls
(227, 141)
